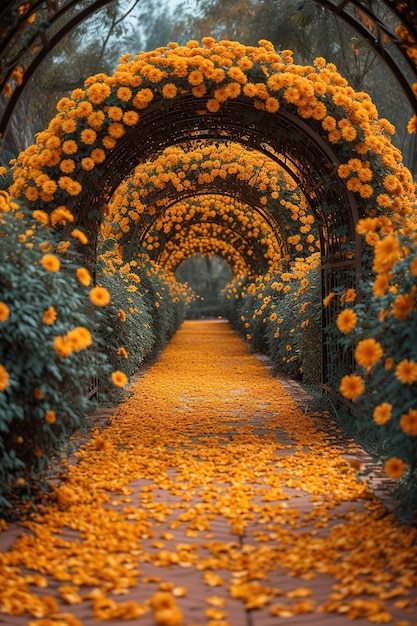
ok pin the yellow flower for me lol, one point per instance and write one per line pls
(395, 468)
(387, 252)
(78, 234)
(61, 215)
(121, 315)
(169, 90)
(382, 413)
(99, 296)
(346, 320)
(403, 305)
(49, 316)
(328, 299)
(4, 312)
(408, 422)
(368, 352)
(348, 296)
(50, 417)
(4, 378)
(50, 262)
(122, 352)
(351, 386)
(83, 276)
(78, 338)
(406, 372)
(119, 378)
(61, 347)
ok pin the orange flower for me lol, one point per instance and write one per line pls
(119, 378)
(79, 338)
(61, 215)
(387, 252)
(83, 276)
(130, 118)
(169, 90)
(403, 306)
(381, 284)
(50, 262)
(351, 386)
(50, 417)
(348, 296)
(328, 298)
(78, 234)
(382, 413)
(61, 347)
(121, 315)
(4, 378)
(122, 352)
(406, 372)
(368, 352)
(49, 316)
(408, 422)
(346, 320)
(99, 296)
(395, 468)
(4, 312)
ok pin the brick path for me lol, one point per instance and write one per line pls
(230, 519)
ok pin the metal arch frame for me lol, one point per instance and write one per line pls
(337, 7)
(207, 191)
(376, 40)
(271, 134)
(169, 252)
(254, 262)
(280, 242)
(45, 46)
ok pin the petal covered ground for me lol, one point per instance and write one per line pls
(211, 499)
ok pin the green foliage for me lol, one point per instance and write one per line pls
(130, 338)
(39, 380)
(391, 320)
(284, 322)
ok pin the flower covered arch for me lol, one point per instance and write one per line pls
(307, 119)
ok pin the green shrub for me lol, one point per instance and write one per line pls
(43, 395)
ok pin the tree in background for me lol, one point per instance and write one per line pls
(207, 276)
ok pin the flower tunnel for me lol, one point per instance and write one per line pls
(283, 170)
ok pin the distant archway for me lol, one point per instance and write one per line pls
(324, 134)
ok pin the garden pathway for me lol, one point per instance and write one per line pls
(210, 498)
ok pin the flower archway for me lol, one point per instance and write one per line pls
(307, 119)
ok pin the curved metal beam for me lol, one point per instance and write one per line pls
(17, 35)
(44, 46)
(380, 38)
